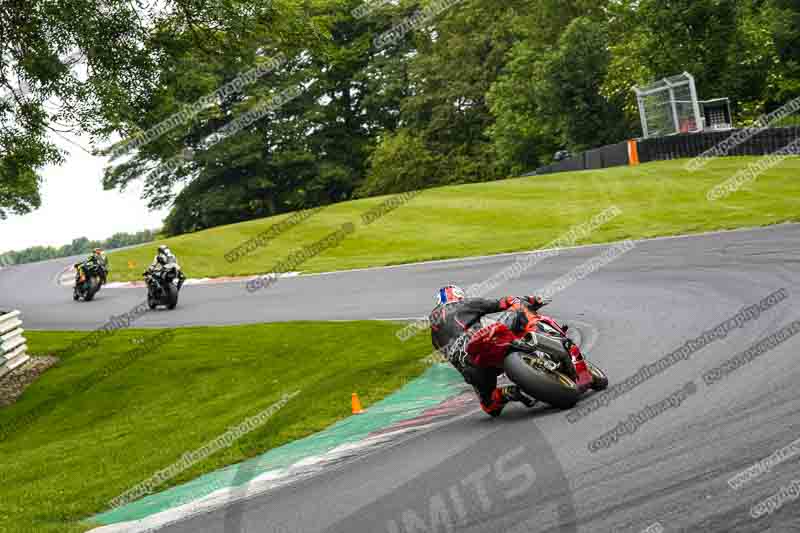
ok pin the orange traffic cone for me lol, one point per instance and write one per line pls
(356, 404)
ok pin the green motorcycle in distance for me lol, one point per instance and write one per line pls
(88, 280)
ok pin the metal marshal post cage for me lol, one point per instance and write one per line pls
(671, 106)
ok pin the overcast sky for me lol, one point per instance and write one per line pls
(74, 205)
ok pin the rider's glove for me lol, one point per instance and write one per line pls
(539, 301)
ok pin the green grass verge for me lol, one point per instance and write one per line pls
(502, 216)
(87, 448)
(789, 121)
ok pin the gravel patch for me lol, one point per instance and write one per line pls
(13, 384)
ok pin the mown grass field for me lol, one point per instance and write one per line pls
(503, 216)
(89, 447)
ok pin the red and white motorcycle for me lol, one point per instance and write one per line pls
(545, 363)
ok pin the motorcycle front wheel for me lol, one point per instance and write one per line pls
(151, 301)
(172, 296)
(545, 385)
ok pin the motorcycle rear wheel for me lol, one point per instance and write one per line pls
(91, 290)
(547, 386)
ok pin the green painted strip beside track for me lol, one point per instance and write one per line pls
(437, 384)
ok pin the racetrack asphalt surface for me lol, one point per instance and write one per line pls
(532, 470)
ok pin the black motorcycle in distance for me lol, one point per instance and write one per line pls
(163, 285)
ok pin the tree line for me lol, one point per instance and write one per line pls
(484, 90)
(78, 246)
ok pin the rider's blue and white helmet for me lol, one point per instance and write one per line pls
(449, 294)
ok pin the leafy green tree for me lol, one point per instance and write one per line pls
(401, 162)
(312, 150)
(71, 64)
(783, 19)
(729, 46)
(549, 97)
(457, 59)
(569, 89)
(484, 89)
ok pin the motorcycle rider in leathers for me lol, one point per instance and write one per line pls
(163, 257)
(456, 323)
(98, 259)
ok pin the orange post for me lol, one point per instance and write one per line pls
(633, 153)
(356, 404)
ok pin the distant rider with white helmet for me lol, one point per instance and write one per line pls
(163, 257)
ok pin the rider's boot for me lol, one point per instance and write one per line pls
(514, 394)
(494, 405)
(501, 396)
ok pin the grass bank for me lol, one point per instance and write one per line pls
(109, 418)
(503, 216)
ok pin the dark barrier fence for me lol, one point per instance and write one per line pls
(691, 145)
(608, 156)
(685, 145)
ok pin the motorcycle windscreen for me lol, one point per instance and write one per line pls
(489, 346)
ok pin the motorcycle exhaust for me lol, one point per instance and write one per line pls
(550, 345)
(565, 351)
